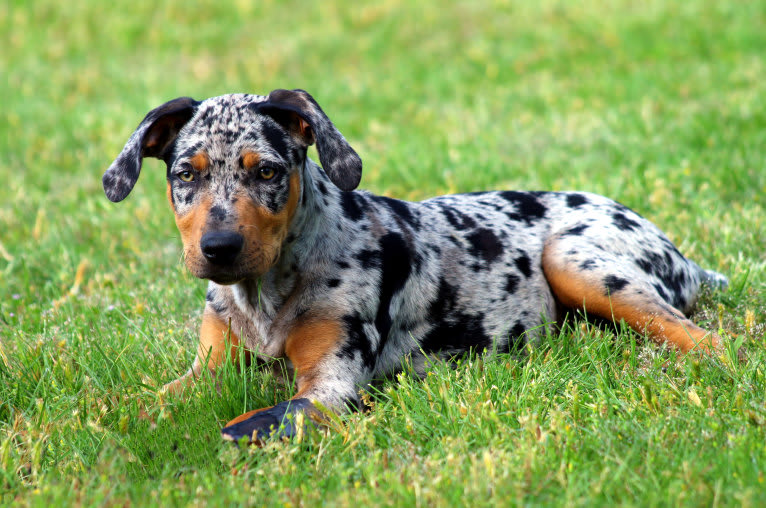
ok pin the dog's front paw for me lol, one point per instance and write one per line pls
(287, 419)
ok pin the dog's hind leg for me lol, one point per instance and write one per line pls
(608, 283)
(217, 344)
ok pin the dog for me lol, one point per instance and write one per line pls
(345, 285)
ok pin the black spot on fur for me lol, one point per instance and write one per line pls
(516, 339)
(207, 118)
(343, 265)
(210, 298)
(588, 264)
(612, 283)
(396, 265)
(454, 329)
(333, 283)
(457, 219)
(676, 282)
(529, 208)
(511, 283)
(645, 265)
(357, 342)
(273, 193)
(524, 265)
(623, 222)
(351, 208)
(276, 138)
(485, 244)
(186, 153)
(663, 266)
(518, 330)
(661, 291)
(322, 187)
(217, 213)
(400, 208)
(575, 200)
(368, 258)
(575, 230)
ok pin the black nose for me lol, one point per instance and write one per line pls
(221, 248)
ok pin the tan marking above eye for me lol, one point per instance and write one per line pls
(200, 162)
(250, 159)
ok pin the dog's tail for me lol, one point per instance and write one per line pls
(713, 279)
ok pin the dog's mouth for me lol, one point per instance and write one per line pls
(220, 275)
(223, 275)
(225, 280)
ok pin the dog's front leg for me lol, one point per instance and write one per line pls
(323, 376)
(217, 344)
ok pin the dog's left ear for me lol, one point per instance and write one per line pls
(154, 137)
(305, 120)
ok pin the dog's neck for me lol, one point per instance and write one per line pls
(313, 234)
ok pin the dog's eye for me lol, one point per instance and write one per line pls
(267, 173)
(186, 176)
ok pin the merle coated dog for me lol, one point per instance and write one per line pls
(344, 285)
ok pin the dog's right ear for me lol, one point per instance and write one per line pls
(153, 137)
(339, 161)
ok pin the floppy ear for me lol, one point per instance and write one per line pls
(339, 160)
(153, 138)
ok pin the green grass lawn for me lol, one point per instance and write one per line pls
(660, 105)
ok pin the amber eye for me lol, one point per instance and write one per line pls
(186, 176)
(266, 173)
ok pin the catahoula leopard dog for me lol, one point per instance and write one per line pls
(344, 285)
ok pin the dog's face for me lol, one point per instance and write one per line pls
(234, 184)
(234, 174)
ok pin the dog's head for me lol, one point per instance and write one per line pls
(234, 173)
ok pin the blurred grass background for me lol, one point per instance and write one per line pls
(659, 105)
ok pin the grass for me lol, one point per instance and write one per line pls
(659, 105)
